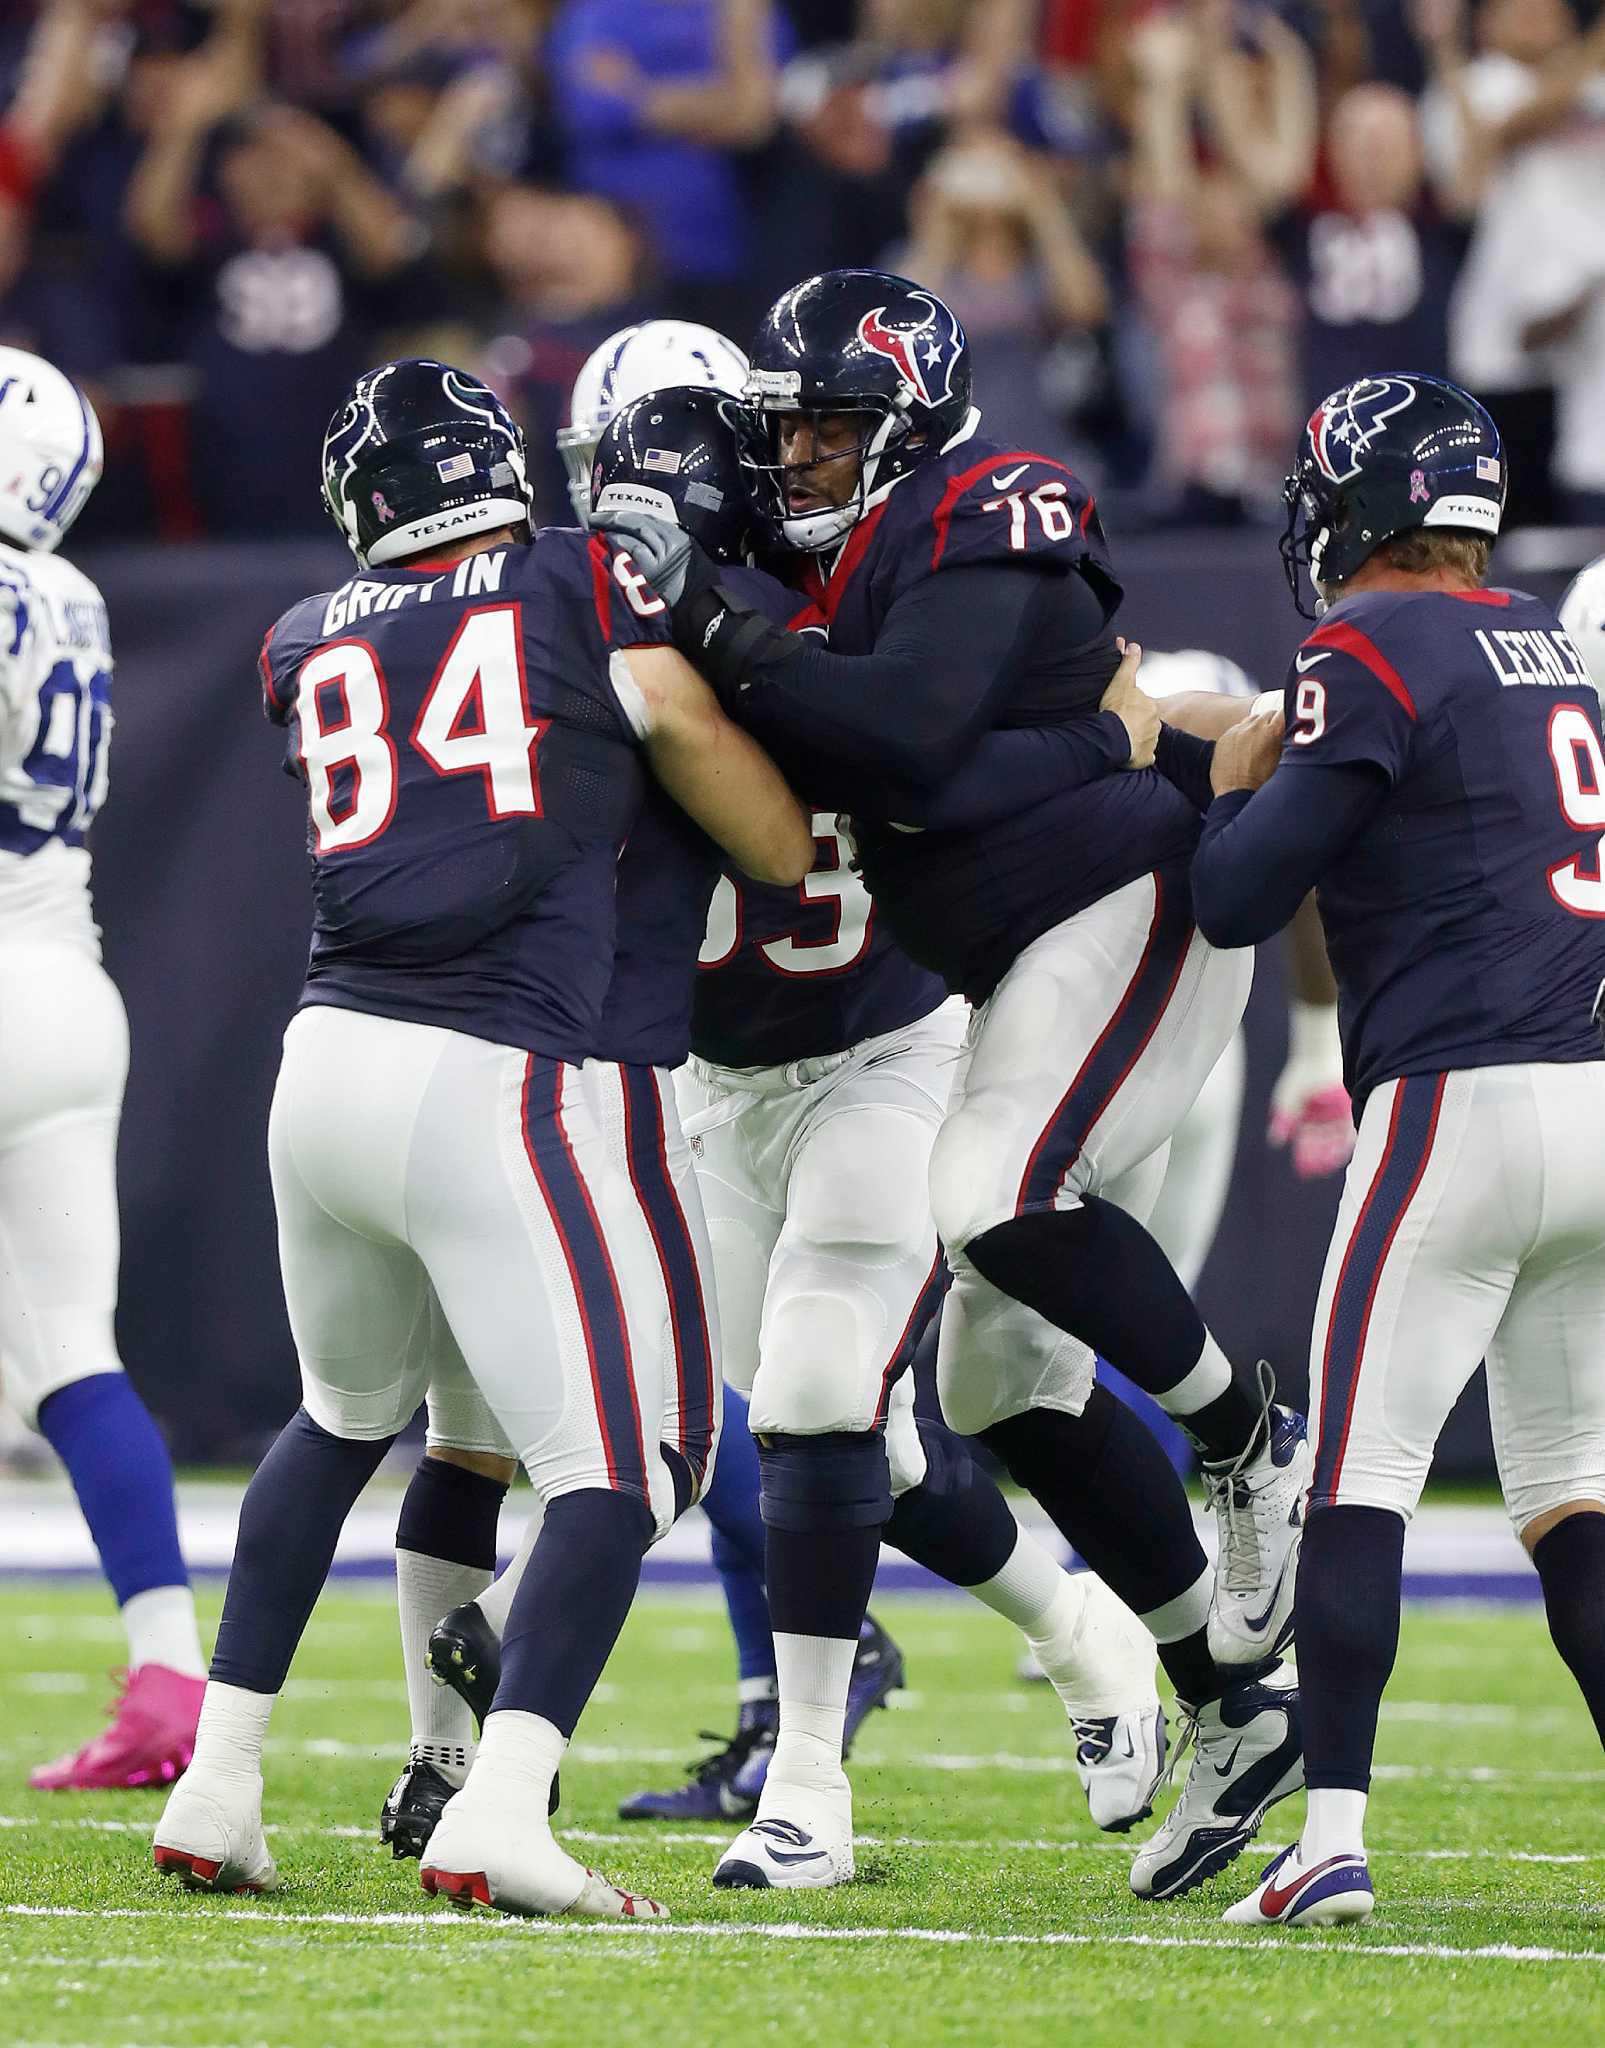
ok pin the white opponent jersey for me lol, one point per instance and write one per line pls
(1582, 613)
(55, 735)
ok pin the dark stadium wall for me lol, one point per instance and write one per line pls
(201, 888)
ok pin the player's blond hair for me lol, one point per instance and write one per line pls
(1420, 552)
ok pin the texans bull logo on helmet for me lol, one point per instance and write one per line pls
(925, 353)
(1343, 426)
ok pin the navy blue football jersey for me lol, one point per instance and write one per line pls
(1466, 921)
(964, 903)
(471, 772)
(667, 875)
(792, 974)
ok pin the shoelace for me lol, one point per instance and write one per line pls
(1240, 1508)
(1185, 1740)
(1094, 1739)
(727, 1760)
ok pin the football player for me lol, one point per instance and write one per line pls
(1438, 773)
(813, 1167)
(965, 589)
(63, 1060)
(468, 716)
(1582, 613)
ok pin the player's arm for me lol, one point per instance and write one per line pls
(716, 773)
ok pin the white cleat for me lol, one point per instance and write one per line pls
(1334, 1892)
(1120, 1760)
(490, 1854)
(1249, 1752)
(1103, 1671)
(210, 1835)
(802, 1840)
(1258, 1503)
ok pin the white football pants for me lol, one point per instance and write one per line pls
(1472, 1226)
(448, 1215)
(63, 1062)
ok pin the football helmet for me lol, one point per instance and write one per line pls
(858, 342)
(1582, 613)
(50, 451)
(1382, 456)
(674, 454)
(422, 452)
(654, 355)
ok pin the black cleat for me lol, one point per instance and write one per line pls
(412, 1807)
(877, 1673)
(465, 1653)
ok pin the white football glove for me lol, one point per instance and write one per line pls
(1310, 1105)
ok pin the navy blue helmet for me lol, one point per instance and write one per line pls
(1380, 457)
(675, 454)
(858, 342)
(419, 453)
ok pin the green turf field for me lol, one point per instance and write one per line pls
(987, 1910)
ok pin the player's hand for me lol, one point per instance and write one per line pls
(1247, 753)
(1310, 1109)
(665, 554)
(1137, 711)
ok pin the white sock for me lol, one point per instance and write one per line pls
(750, 1691)
(442, 1725)
(1334, 1825)
(1207, 1381)
(161, 1630)
(232, 1729)
(497, 1597)
(1035, 1593)
(517, 1761)
(814, 1674)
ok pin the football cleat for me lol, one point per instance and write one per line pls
(1258, 1503)
(804, 1842)
(724, 1786)
(877, 1674)
(1120, 1760)
(484, 1854)
(465, 1652)
(210, 1836)
(1248, 1752)
(412, 1809)
(150, 1741)
(1335, 1892)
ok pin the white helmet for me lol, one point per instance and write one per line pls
(1582, 613)
(1193, 668)
(654, 355)
(50, 450)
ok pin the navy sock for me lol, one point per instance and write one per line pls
(1094, 1271)
(102, 1432)
(571, 1603)
(1571, 1566)
(955, 1522)
(826, 1500)
(1117, 1500)
(731, 1505)
(451, 1513)
(1347, 1614)
(290, 1522)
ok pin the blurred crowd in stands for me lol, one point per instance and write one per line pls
(1169, 225)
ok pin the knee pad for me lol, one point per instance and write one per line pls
(969, 1171)
(822, 1483)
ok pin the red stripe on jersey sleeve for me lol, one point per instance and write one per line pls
(1494, 597)
(1351, 641)
(596, 548)
(942, 519)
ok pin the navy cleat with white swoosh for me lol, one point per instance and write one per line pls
(1248, 1753)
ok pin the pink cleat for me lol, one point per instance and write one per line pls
(150, 1741)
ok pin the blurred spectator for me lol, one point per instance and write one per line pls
(993, 236)
(1372, 257)
(568, 267)
(1221, 315)
(274, 240)
(657, 99)
(1515, 136)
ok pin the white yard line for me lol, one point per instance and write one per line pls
(686, 1838)
(266, 1918)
